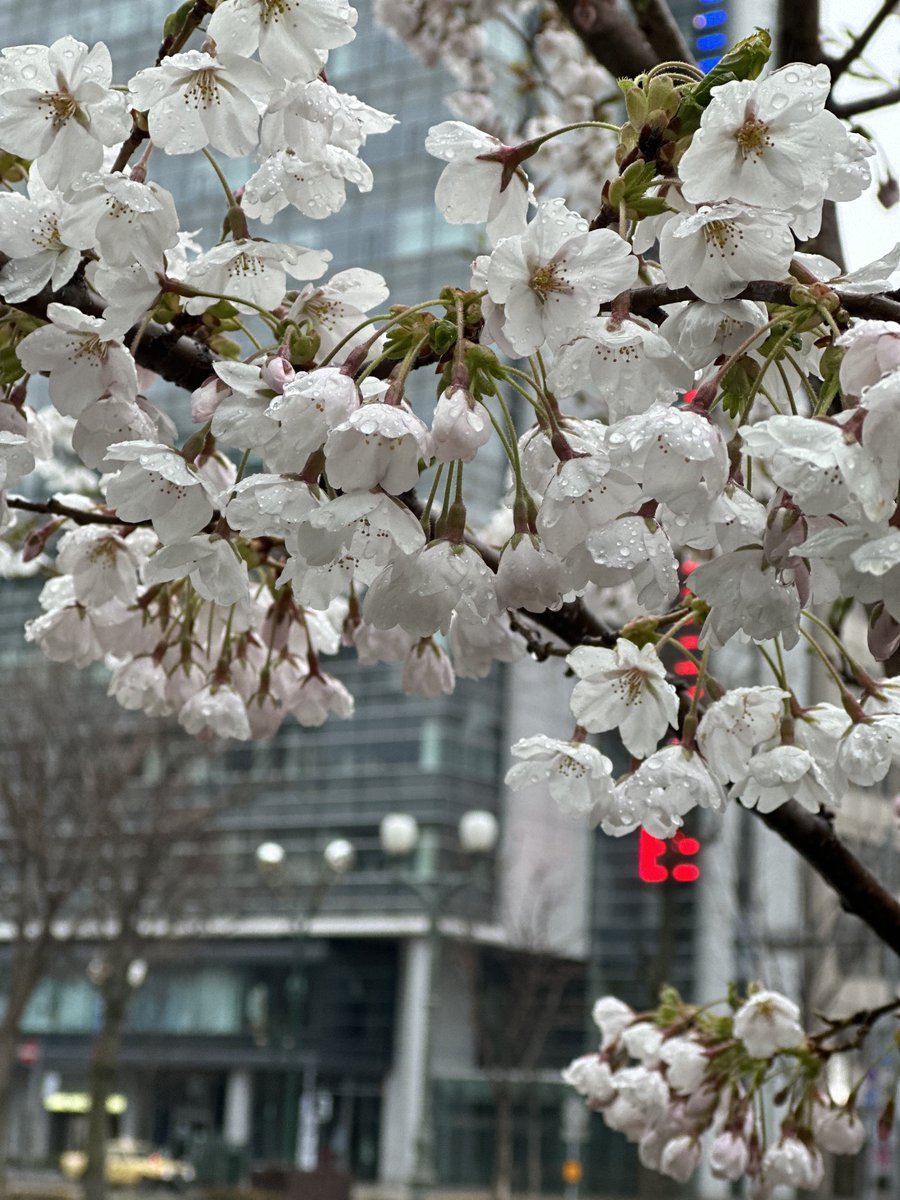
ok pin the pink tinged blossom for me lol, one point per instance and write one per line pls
(623, 688)
(380, 645)
(139, 685)
(553, 276)
(291, 35)
(718, 249)
(318, 697)
(213, 567)
(215, 711)
(83, 355)
(470, 190)
(57, 107)
(578, 775)
(194, 99)
(460, 426)
(66, 634)
(768, 1022)
(729, 1156)
(427, 671)
(379, 445)
(157, 484)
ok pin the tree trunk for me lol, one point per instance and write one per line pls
(503, 1161)
(25, 969)
(104, 1063)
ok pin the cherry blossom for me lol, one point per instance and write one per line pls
(579, 776)
(32, 237)
(250, 270)
(291, 35)
(378, 445)
(472, 189)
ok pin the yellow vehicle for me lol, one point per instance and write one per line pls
(130, 1163)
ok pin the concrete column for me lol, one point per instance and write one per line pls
(238, 1107)
(402, 1103)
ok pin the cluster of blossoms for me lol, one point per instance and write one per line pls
(756, 436)
(748, 1086)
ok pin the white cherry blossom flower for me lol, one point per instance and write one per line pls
(215, 711)
(102, 565)
(578, 775)
(718, 249)
(732, 727)
(678, 454)
(680, 1157)
(267, 505)
(460, 425)
(636, 549)
(318, 697)
(427, 671)
(728, 1156)
(686, 1062)
(625, 364)
(309, 407)
(824, 470)
(57, 107)
(664, 788)
(316, 188)
(591, 1077)
(291, 35)
(529, 575)
(768, 1022)
(83, 355)
(785, 773)
(66, 634)
(470, 190)
(214, 569)
(624, 688)
(248, 269)
(112, 419)
(32, 237)
(420, 592)
(766, 142)
(238, 411)
(334, 308)
(379, 445)
(139, 684)
(792, 1163)
(24, 437)
(700, 332)
(554, 275)
(642, 1040)
(195, 100)
(871, 351)
(125, 220)
(477, 645)
(158, 484)
(611, 1016)
(838, 1130)
(745, 595)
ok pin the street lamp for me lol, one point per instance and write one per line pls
(301, 1121)
(399, 834)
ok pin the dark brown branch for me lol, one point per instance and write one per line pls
(860, 893)
(838, 66)
(644, 301)
(654, 17)
(79, 516)
(610, 36)
(852, 108)
(798, 32)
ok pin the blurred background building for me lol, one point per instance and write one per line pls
(296, 1026)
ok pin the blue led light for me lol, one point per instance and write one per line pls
(707, 64)
(711, 19)
(711, 41)
(707, 3)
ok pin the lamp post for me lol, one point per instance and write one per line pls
(399, 835)
(300, 1119)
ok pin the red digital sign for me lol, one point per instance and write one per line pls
(659, 860)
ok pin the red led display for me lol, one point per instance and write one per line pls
(652, 850)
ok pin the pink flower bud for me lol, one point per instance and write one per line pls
(277, 372)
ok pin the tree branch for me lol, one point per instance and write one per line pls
(797, 38)
(662, 31)
(610, 36)
(860, 893)
(644, 301)
(852, 108)
(79, 516)
(838, 66)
